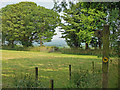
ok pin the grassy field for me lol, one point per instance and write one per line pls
(16, 64)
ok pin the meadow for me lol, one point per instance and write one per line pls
(18, 64)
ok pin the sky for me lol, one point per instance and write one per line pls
(45, 3)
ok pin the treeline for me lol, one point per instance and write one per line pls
(25, 22)
(80, 22)
(84, 22)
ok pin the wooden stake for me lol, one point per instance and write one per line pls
(36, 73)
(70, 72)
(51, 84)
(93, 66)
(119, 64)
(105, 58)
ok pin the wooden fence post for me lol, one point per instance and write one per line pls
(93, 66)
(51, 85)
(105, 57)
(119, 62)
(119, 55)
(36, 73)
(69, 72)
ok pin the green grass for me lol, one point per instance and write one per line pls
(51, 66)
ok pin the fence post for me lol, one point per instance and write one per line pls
(93, 66)
(51, 84)
(36, 73)
(119, 62)
(105, 58)
(69, 72)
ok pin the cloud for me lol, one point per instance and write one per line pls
(26, 0)
(45, 3)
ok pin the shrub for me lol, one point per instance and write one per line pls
(43, 48)
(6, 47)
(19, 47)
(79, 51)
(27, 81)
(16, 47)
(31, 48)
(54, 49)
(85, 79)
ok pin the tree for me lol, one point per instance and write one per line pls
(114, 24)
(15, 23)
(79, 23)
(45, 23)
(112, 18)
(85, 18)
(25, 21)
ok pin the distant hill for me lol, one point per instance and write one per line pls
(55, 42)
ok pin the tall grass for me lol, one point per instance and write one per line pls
(27, 81)
(82, 78)
(78, 51)
(55, 66)
(31, 48)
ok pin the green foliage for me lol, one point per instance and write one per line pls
(31, 48)
(81, 19)
(15, 24)
(45, 22)
(114, 25)
(113, 67)
(26, 22)
(16, 47)
(79, 23)
(85, 79)
(26, 81)
(19, 48)
(42, 49)
(79, 51)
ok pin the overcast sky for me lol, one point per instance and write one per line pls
(46, 3)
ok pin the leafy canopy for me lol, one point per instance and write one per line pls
(26, 22)
(82, 19)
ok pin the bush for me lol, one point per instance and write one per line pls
(16, 47)
(27, 81)
(6, 47)
(19, 47)
(55, 48)
(85, 79)
(43, 48)
(79, 51)
(31, 48)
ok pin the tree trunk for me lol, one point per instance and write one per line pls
(26, 42)
(86, 45)
(76, 45)
(41, 41)
(3, 42)
(76, 42)
(111, 45)
(96, 46)
(99, 42)
(11, 44)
